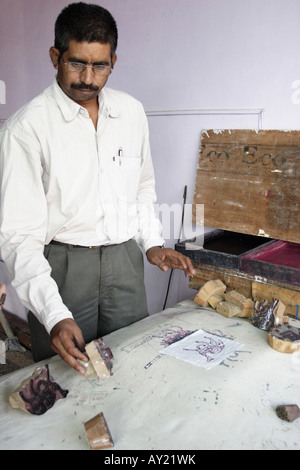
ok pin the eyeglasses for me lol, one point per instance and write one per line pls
(80, 68)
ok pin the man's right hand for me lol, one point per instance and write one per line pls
(67, 341)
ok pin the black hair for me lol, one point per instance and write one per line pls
(85, 22)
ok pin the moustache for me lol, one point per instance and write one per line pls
(83, 86)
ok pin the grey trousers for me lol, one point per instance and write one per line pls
(102, 287)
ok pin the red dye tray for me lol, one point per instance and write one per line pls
(279, 260)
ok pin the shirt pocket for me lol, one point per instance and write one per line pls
(129, 172)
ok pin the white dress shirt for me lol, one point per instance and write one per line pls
(61, 179)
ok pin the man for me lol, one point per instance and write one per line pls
(77, 190)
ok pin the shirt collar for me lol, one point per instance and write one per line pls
(109, 104)
(70, 109)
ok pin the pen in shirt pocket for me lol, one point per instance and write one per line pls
(119, 157)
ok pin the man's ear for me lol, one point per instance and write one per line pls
(54, 56)
(113, 61)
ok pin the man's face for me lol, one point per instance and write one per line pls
(84, 86)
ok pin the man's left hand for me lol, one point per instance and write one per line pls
(166, 258)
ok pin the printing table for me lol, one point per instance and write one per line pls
(157, 402)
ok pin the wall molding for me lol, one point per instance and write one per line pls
(211, 112)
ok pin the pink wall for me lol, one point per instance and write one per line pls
(179, 55)
(232, 53)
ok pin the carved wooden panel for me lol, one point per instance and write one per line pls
(249, 182)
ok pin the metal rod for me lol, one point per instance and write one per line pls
(181, 227)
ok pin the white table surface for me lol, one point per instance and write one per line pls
(157, 402)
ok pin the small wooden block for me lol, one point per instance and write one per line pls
(248, 308)
(100, 357)
(246, 305)
(98, 433)
(279, 311)
(215, 299)
(209, 289)
(285, 338)
(228, 309)
(89, 368)
(288, 412)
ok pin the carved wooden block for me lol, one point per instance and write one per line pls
(98, 433)
(279, 311)
(269, 314)
(209, 289)
(263, 316)
(100, 358)
(289, 297)
(215, 299)
(89, 368)
(38, 393)
(285, 338)
(288, 412)
(228, 309)
(246, 305)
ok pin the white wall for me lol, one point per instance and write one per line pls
(180, 55)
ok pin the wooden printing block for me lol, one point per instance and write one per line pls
(100, 358)
(38, 393)
(209, 289)
(246, 305)
(263, 316)
(279, 310)
(98, 433)
(228, 309)
(215, 299)
(89, 368)
(288, 412)
(284, 338)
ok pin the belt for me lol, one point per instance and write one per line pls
(54, 242)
